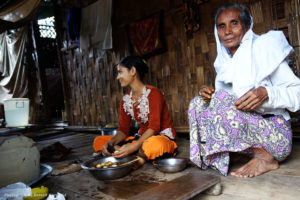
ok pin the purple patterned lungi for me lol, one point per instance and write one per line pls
(217, 128)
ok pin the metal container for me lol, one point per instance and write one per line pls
(171, 165)
(109, 131)
(110, 172)
(16, 112)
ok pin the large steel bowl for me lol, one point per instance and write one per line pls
(171, 165)
(110, 172)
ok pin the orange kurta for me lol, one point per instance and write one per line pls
(151, 111)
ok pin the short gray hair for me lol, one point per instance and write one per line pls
(245, 16)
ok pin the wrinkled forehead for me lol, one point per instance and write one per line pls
(228, 14)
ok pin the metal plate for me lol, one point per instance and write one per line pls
(44, 171)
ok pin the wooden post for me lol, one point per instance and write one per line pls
(62, 65)
(45, 117)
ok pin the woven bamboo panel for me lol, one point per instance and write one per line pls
(94, 92)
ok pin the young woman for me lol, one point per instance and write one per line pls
(246, 111)
(146, 105)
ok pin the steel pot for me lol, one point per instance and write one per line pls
(109, 131)
(171, 165)
(109, 173)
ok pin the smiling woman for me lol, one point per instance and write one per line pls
(147, 106)
(246, 111)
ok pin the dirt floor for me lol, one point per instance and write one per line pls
(283, 183)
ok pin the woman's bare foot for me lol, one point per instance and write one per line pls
(142, 159)
(140, 162)
(262, 162)
(236, 157)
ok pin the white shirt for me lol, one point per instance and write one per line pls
(283, 89)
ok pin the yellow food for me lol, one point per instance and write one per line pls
(106, 165)
(37, 193)
(98, 166)
(110, 126)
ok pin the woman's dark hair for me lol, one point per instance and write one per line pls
(245, 16)
(137, 62)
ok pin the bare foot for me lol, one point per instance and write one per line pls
(239, 157)
(141, 161)
(261, 163)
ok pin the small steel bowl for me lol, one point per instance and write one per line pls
(110, 172)
(171, 165)
(109, 131)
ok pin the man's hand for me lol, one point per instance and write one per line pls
(206, 91)
(252, 99)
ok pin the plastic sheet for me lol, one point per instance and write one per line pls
(15, 191)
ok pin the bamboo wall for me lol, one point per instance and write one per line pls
(92, 91)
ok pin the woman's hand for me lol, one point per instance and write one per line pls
(120, 136)
(252, 99)
(126, 150)
(104, 150)
(206, 92)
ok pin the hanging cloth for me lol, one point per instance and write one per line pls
(74, 21)
(96, 30)
(146, 36)
(13, 79)
(16, 14)
(20, 10)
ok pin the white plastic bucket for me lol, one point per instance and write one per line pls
(16, 112)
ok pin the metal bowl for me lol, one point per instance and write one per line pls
(171, 165)
(108, 173)
(109, 131)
